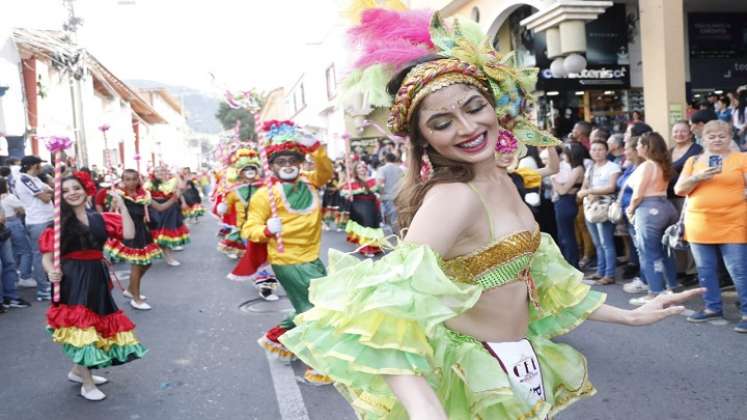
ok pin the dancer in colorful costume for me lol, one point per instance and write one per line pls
(141, 250)
(253, 265)
(299, 221)
(243, 175)
(169, 230)
(219, 207)
(331, 202)
(364, 227)
(456, 322)
(86, 322)
(192, 208)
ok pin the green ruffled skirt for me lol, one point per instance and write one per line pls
(387, 318)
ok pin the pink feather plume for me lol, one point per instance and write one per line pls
(393, 38)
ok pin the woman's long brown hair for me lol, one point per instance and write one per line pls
(658, 152)
(413, 189)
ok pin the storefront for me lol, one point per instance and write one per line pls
(718, 52)
(601, 93)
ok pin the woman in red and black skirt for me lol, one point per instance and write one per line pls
(86, 322)
(169, 230)
(364, 227)
(141, 250)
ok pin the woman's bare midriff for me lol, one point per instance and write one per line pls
(501, 314)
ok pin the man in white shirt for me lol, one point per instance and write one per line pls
(36, 197)
(389, 177)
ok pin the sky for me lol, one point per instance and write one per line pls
(243, 43)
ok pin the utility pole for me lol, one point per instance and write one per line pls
(76, 72)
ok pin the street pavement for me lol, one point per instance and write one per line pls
(203, 361)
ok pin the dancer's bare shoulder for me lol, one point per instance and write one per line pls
(447, 212)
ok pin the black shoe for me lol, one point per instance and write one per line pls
(630, 271)
(15, 303)
(3, 309)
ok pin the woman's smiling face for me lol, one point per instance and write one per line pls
(73, 193)
(459, 123)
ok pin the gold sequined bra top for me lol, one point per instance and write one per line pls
(502, 261)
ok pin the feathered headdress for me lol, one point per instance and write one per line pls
(388, 40)
(286, 137)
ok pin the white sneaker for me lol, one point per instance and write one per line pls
(92, 395)
(233, 256)
(27, 282)
(178, 248)
(128, 295)
(173, 263)
(642, 300)
(635, 286)
(98, 380)
(140, 306)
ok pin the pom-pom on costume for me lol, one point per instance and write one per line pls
(86, 322)
(169, 230)
(142, 249)
(387, 317)
(300, 211)
(364, 227)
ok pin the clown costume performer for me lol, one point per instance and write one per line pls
(456, 322)
(298, 220)
(253, 265)
(141, 250)
(86, 322)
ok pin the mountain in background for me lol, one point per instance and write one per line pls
(200, 107)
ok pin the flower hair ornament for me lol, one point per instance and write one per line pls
(88, 185)
(507, 143)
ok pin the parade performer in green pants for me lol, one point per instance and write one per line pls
(299, 221)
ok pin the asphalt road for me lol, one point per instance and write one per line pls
(203, 362)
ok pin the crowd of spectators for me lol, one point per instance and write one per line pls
(662, 212)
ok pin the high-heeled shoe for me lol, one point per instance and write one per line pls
(129, 295)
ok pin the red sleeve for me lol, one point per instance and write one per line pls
(100, 198)
(113, 225)
(46, 241)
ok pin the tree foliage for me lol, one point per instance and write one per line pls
(228, 117)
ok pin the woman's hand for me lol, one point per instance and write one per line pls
(707, 174)
(630, 212)
(118, 201)
(55, 276)
(663, 306)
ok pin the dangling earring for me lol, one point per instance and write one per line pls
(426, 168)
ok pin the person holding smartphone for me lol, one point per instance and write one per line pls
(715, 184)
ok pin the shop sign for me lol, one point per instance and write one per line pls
(593, 77)
(606, 54)
(718, 50)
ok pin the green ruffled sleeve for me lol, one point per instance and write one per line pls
(564, 301)
(372, 318)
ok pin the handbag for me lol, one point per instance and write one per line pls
(674, 236)
(615, 212)
(596, 210)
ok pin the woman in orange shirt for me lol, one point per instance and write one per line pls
(715, 184)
